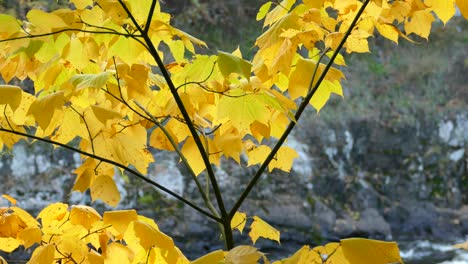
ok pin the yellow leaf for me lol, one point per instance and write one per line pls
(9, 198)
(238, 221)
(84, 215)
(119, 220)
(215, 257)
(8, 244)
(145, 235)
(53, 214)
(302, 256)
(242, 109)
(95, 258)
(10, 95)
(44, 109)
(462, 245)
(29, 236)
(367, 251)
(82, 4)
(118, 253)
(104, 188)
(260, 228)
(159, 140)
(194, 158)
(333, 39)
(420, 23)
(243, 255)
(443, 9)
(43, 254)
(463, 7)
(301, 77)
(388, 31)
(257, 155)
(104, 114)
(3, 261)
(262, 12)
(357, 41)
(25, 217)
(323, 93)
(44, 22)
(283, 159)
(278, 12)
(72, 246)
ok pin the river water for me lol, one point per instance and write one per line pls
(426, 252)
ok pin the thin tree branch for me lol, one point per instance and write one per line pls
(130, 170)
(150, 16)
(209, 169)
(70, 30)
(298, 114)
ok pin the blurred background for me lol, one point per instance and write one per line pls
(387, 161)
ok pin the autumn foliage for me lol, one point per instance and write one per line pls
(113, 78)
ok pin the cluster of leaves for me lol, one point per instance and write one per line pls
(113, 78)
(79, 234)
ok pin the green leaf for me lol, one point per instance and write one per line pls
(80, 81)
(229, 63)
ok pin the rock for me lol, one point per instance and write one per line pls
(373, 224)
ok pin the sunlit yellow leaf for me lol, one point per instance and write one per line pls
(9, 198)
(43, 109)
(104, 188)
(159, 140)
(242, 109)
(8, 244)
(262, 12)
(43, 254)
(367, 251)
(214, 257)
(29, 236)
(462, 245)
(44, 22)
(300, 79)
(278, 12)
(238, 221)
(119, 220)
(420, 23)
(243, 255)
(389, 31)
(194, 158)
(257, 155)
(260, 228)
(118, 253)
(84, 215)
(82, 4)
(53, 214)
(25, 217)
(10, 95)
(283, 159)
(145, 235)
(303, 256)
(72, 246)
(357, 42)
(463, 7)
(443, 9)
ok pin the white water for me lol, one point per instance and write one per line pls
(425, 249)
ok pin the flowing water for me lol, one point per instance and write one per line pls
(427, 252)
